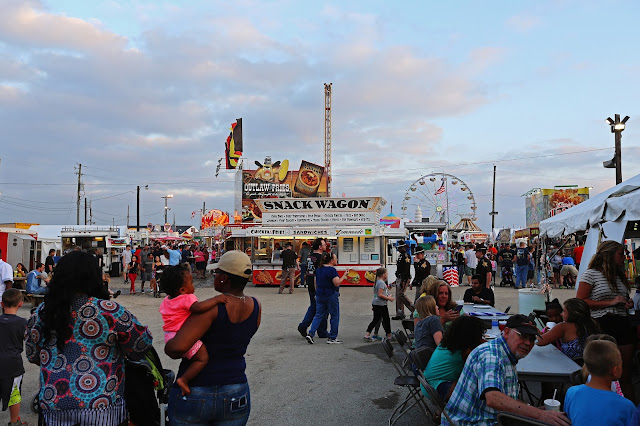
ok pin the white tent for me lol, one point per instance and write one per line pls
(620, 203)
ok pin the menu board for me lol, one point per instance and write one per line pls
(347, 245)
(369, 245)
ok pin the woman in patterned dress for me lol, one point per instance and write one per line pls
(80, 342)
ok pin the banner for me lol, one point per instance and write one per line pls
(214, 218)
(233, 146)
(275, 180)
(549, 202)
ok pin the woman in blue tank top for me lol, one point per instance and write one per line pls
(220, 393)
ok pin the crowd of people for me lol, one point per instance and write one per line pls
(74, 333)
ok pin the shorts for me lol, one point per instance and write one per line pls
(568, 269)
(146, 276)
(469, 271)
(618, 327)
(168, 335)
(200, 266)
(530, 274)
(10, 391)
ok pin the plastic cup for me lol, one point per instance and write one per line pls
(552, 405)
(460, 302)
(502, 325)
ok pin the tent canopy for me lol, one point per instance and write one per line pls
(622, 202)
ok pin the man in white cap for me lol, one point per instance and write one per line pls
(403, 276)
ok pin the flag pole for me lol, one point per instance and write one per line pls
(446, 190)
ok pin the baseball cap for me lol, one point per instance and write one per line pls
(236, 263)
(523, 324)
(419, 250)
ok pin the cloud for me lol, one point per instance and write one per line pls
(159, 112)
(523, 23)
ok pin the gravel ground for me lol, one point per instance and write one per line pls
(293, 382)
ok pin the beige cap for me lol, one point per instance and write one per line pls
(236, 263)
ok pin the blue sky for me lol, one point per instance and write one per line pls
(144, 93)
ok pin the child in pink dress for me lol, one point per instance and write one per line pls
(180, 302)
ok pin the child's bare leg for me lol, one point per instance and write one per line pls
(198, 362)
(14, 412)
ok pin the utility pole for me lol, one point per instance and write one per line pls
(493, 212)
(85, 210)
(127, 216)
(78, 200)
(90, 213)
(202, 215)
(137, 208)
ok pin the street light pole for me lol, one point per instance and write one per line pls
(617, 127)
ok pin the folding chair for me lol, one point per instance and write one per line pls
(408, 326)
(420, 357)
(408, 381)
(403, 341)
(435, 398)
(510, 419)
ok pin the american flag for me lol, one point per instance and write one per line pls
(441, 189)
(450, 275)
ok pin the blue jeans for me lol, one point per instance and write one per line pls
(327, 305)
(521, 275)
(311, 313)
(221, 405)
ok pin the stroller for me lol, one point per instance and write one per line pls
(146, 391)
(507, 277)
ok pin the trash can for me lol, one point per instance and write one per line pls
(115, 269)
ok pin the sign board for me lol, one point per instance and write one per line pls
(356, 231)
(318, 218)
(275, 180)
(549, 202)
(307, 232)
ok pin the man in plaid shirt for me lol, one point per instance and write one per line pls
(489, 380)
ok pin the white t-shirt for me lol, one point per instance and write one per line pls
(472, 260)
(126, 256)
(6, 274)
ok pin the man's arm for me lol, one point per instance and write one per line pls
(501, 402)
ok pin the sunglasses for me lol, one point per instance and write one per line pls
(529, 337)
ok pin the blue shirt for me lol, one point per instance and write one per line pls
(33, 281)
(174, 257)
(490, 366)
(587, 406)
(568, 260)
(324, 281)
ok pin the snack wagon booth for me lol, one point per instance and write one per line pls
(351, 226)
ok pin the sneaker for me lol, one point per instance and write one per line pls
(334, 341)
(309, 339)
(375, 337)
(397, 317)
(368, 339)
(19, 422)
(116, 294)
(142, 290)
(302, 331)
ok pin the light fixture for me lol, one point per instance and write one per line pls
(619, 126)
(609, 121)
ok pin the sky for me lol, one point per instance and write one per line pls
(144, 93)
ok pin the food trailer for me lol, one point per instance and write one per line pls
(350, 225)
(107, 239)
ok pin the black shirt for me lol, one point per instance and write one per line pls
(460, 258)
(49, 264)
(507, 258)
(484, 266)
(422, 269)
(403, 266)
(289, 258)
(12, 328)
(522, 256)
(485, 294)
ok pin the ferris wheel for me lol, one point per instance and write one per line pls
(439, 197)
